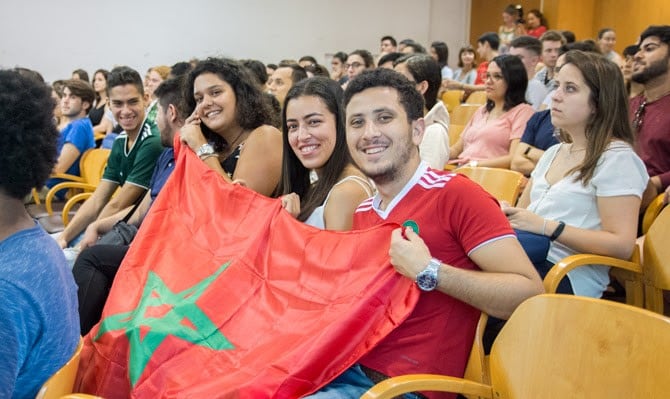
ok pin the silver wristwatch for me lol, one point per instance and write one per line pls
(427, 278)
(205, 149)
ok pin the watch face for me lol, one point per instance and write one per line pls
(427, 280)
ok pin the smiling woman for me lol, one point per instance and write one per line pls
(229, 125)
(315, 140)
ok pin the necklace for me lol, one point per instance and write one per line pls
(234, 142)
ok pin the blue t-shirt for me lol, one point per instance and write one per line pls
(39, 319)
(79, 133)
(539, 131)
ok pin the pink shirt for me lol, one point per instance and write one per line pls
(485, 140)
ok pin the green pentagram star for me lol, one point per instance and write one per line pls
(182, 306)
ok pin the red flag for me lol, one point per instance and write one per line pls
(223, 294)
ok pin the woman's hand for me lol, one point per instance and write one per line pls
(409, 254)
(291, 202)
(191, 133)
(524, 219)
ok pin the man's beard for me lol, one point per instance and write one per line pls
(653, 70)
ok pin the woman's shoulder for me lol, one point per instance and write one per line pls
(264, 134)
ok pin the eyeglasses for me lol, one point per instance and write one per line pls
(639, 113)
(354, 65)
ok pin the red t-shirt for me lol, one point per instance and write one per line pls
(481, 72)
(455, 216)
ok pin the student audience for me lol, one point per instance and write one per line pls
(338, 71)
(95, 268)
(357, 62)
(228, 127)
(492, 135)
(512, 27)
(464, 267)
(99, 106)
(536, 24)
(283, 78)
(440, 53)
(425, 73)
(585, 192)
(130, 162)
(649, 110)
(39, 329)
(314, 140)
(606, 42)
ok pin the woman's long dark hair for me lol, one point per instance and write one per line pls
(514, 74)
(252, 109)
(295, 177)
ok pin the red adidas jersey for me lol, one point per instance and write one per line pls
(454, 216)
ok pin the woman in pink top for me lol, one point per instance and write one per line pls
(491, 136)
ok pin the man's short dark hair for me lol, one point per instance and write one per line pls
(298, 73)
(28, 134)
(553, 36)
(491, 38)
(630, 51)
(410, 99)
(416, 47)
(529, 43)
(390, 39)
(389, 57)
(308, 58)
(180, 68)
(660, 31)
(257, 70)
(124, 75)
(81, 89)
(170, 92)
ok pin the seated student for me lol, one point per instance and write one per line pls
(585, 192)
(39, 327)
(131, 160)
(96, 266)
(387, 60)
(228, 128)
(492, 135)
(537, 138)
(422, 69)
(77, 136)
(464, 259)
(283, 78)
(155, 75)
(315, 140)
(357, 62)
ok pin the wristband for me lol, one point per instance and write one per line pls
(525, 153)
(558, 231)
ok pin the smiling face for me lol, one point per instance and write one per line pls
(532, 20)
(652, 61)
(215, 102)
(127, 104)
(311, 131)
(381, 140)
(467, 58)
(571, 106)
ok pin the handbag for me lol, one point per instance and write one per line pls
(122, 233)
(535, 245)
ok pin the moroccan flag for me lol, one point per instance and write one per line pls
(224, 295)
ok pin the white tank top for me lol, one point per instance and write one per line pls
(316, 219)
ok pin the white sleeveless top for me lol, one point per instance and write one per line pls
(316, 219)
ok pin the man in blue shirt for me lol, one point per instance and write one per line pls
(77, 136)
(39, 324)
(96, 266)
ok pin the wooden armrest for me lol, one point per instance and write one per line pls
(65, 215)
(64, 186)
(66, 176)
(561, 269)
(395, 386)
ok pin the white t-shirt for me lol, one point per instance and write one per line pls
(619, 172)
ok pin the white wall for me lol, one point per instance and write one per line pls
(56, 37)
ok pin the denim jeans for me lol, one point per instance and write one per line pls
(349, 385)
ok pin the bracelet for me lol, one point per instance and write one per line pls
(525, 153)
(204, 157)
(558, 231)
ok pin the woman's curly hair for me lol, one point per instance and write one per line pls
(28, 134)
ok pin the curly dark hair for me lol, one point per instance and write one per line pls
(28, 134)
(252, 110)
